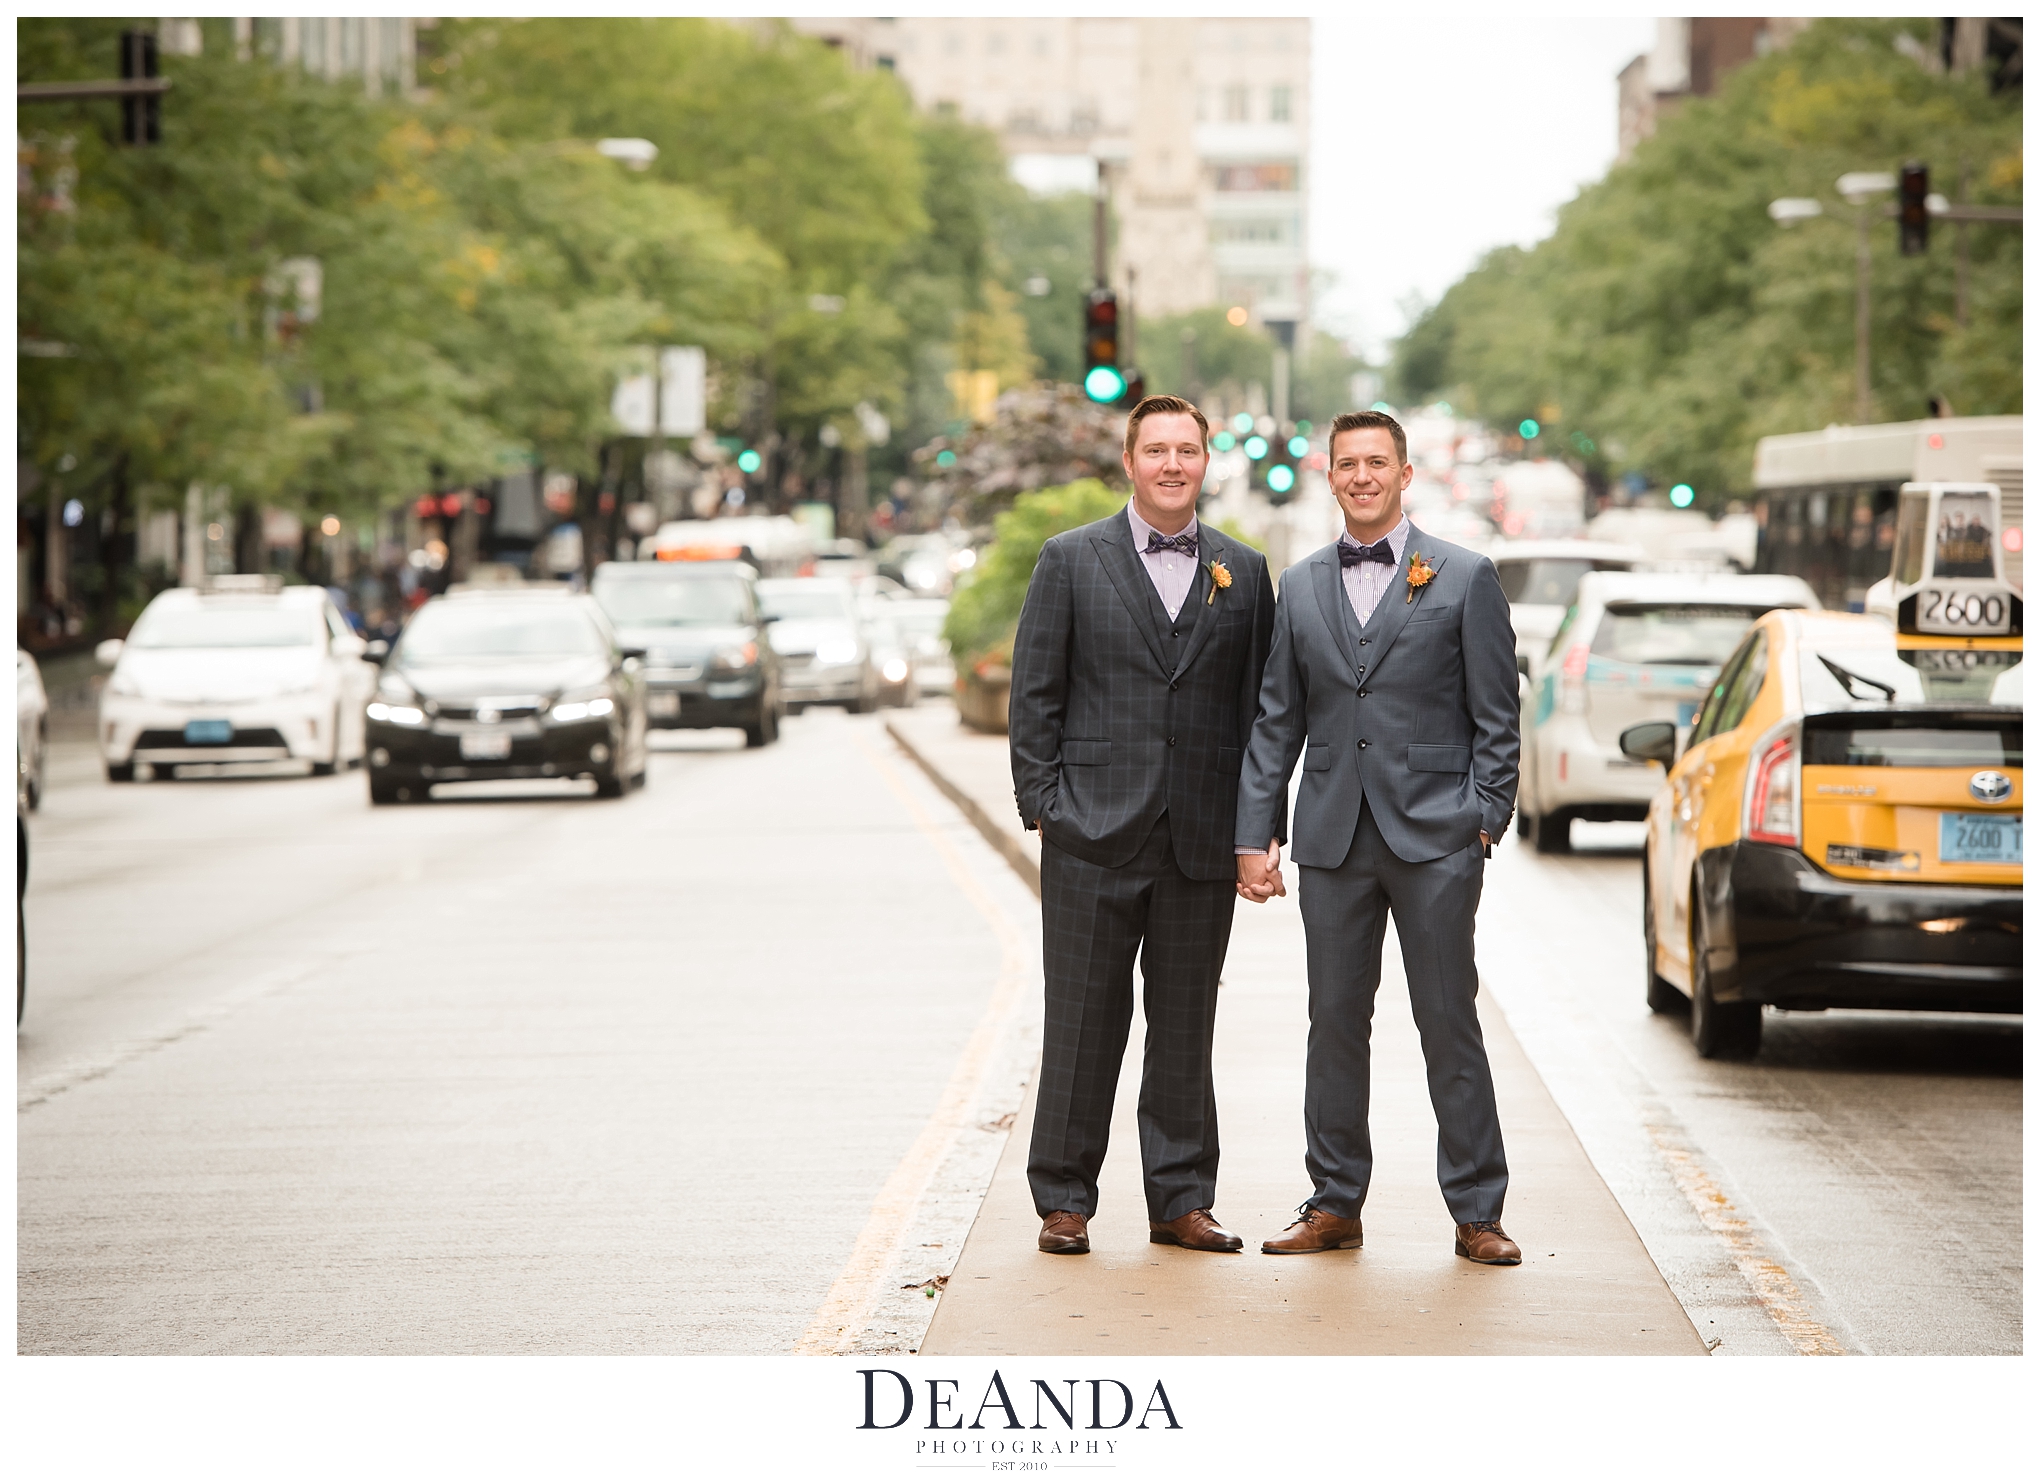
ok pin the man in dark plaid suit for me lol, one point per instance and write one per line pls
(1136, 675)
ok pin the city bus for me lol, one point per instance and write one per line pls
(1827, 501)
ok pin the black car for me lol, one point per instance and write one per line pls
(506, 684)
(707, 660)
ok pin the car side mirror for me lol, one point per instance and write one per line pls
(349, 646)
(768, 618)
(108, 652)
(635, 653)
(1651, 741)
(376, 651)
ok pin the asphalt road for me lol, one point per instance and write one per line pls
(1856, 1188)
(538, 1073)
(534, 1073)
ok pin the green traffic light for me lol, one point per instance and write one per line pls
(1242, 422)
(1256, 447)
(1303, 427)
(749, 462)
(1223, 440)
(1299, 446)
(1528, 429)
(945, 458)
(1280, 478)
(1682, 495)
(1104, 384)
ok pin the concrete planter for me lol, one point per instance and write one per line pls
(981, 699)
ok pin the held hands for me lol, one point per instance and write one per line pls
(1260, 875)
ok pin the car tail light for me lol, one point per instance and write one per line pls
(1572, 685)
(1772, 813)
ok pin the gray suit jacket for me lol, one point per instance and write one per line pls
(1418, 711)
(1115, 714)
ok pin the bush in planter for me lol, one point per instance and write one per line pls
(985, 612)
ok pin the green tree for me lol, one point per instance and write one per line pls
(986, 611)
(1670, 322)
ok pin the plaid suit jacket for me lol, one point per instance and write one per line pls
(1109, 725)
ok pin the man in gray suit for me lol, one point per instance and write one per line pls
(1136, 673)
(1393, 675)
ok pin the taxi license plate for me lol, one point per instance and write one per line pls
(484, 746)
(1982, 838)
(663, 703)
(208, 733)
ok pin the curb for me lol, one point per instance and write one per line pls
(999, 837)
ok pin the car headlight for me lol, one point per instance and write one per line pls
(895, 670)
(837, 652)
(736, 656)
(583, 705)
(399, 715)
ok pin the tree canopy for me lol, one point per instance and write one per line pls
(1667, 322)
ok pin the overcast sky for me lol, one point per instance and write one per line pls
(1437, 138)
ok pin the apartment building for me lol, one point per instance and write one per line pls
(381, 50)
(1200, 127)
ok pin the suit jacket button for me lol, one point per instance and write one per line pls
(1363, 669)
(1361, 692)
(1172, 741)
(1363, 746)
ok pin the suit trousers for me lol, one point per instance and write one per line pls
(1093, 921)
(1345, 914)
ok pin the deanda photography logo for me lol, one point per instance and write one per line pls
(1088, 1415)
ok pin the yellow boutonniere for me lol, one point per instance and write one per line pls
(1221, 577)
(1420, 573)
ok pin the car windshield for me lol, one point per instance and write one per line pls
(1672, 634)
(226, 625)
(919, 618)
(1843, 674)
(497, 630)
(806, 599)
(1542, 580)
(680, 600)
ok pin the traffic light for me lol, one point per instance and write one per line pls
(1912, 210)
(1103, 381)
(1278, 467)
(141, 118)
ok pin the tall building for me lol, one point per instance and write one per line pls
(1200, 127)
(1690, 59)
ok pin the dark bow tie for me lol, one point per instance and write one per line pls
(1183, 542)
(1379, 552)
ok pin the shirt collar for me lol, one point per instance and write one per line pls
(1141, 528)
(1398, 538)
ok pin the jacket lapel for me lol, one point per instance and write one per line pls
(1114, 545)
(1334, 605)
(1396, 605)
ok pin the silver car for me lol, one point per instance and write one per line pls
(1632, 647)
(1539, 577)
(824, 656)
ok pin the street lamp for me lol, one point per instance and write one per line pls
(1860, 189)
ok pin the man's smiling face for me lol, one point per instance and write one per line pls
(1167, 470)
(1369, 478)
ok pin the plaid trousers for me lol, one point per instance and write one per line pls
(1094, 920)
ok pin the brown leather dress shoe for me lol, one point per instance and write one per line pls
(1485, 1242)
(1197, 1229)
(1316, 1231)
(1063, 1232)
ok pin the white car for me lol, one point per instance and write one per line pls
(824, 656)
(1632, 647)
(921, 620)
(244, 671)
(1538, 579)
(32, 729)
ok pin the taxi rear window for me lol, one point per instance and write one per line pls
(1840, 675)
(1913, 739)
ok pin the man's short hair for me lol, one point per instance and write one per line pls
(1371, 419)
(1161, 404)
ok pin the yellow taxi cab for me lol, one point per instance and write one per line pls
(1842, 826)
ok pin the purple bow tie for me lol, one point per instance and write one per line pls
(1378, 552)
(1183, 542)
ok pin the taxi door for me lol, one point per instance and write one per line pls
(1706, 790)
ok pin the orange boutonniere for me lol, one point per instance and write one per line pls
(1420, 573)
(1221, 577)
